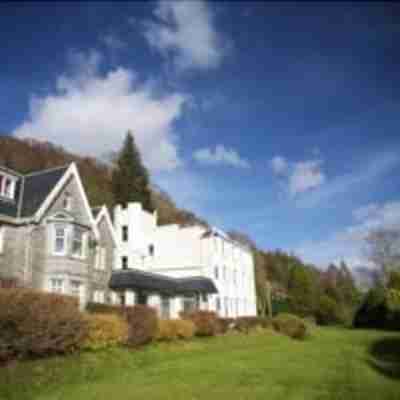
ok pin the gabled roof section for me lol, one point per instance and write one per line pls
(102, 212)
(36, 189)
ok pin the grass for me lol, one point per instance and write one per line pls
(333, 364)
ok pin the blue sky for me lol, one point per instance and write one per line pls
(277, 119)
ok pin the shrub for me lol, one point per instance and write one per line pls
(373, 311)
(105, 330)
(290, 325)
(246, 324)
(186, 329)
(37, 324)
(101, 308)
(206, 322)
(172, 329)
(225, 324)
(328, 311)
(143, 325)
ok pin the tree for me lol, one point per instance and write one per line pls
(383, 249)
(301, 291)
(130, 178)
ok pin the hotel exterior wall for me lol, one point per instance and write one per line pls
(188, 251)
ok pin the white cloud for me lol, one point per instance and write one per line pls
(279, 165)
(221, 155)
(349, 243)
(90, 113)
(306, 175)
(185, 31)
(366, 174)
(299, 176)
(113, 42)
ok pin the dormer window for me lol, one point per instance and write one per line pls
(7, 186)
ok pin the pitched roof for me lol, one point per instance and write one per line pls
(30, 192)
(96, 211)
(147, 281)
(36, 188)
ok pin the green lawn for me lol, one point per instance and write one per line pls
(333, 364)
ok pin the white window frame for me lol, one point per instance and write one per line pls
(57, 285)
(66, 228)
(100, 258)
(2, 234)
(99, 296)
(12, 180)
(82, 241)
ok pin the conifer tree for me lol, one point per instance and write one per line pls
(130, 179)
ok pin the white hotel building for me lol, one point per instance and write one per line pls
(182, 254)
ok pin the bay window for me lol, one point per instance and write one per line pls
(60, 239)
(78, 242)
(56, 285)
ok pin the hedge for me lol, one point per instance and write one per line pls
(37, 324)
(290, 325)
(172, 329)
(206, 322)
(105, 330)
(143, 325)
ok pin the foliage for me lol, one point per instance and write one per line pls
(373, 311)
(143, 325)
(225, 324)
(38, 324)
(302, 295)
(291, 326)
(206, 322)
(328, 311)
(246, 324)
(102, 308)
(172, 329)
(130, 179)
(105, 330)
(394, 280)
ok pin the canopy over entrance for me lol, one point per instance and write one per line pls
(143, 281)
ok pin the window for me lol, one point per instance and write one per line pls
(151, 250)
(78, 245)
(225, 274)
(60, 239)
(190, 304)
(165, 308)
(216, 272)
(218, 304)
(56, 285)
(235, 276)
(124, 262)
(75, 288)
(2, 230)
(122, 299)
(67, 202)
(7, 186)
(101, 258)
(226, 301)
(125, 233)
(98, 296)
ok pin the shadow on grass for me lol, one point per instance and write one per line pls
(385, 357)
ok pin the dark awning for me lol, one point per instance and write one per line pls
(138, 280)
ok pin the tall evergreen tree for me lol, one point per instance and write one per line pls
(130, 179)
